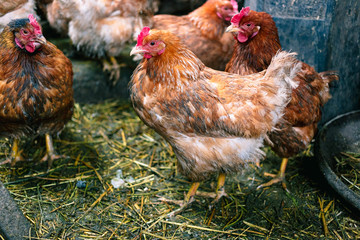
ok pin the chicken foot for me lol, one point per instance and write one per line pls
(219, 191)
(50, 155)
(114, 68)
(15, 154)
(189, 198)
(280, 177)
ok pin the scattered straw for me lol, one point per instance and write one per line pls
(75, 198)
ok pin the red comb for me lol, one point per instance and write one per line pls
(144, 32)
(235, 5)
(35, 24)
(243, 13)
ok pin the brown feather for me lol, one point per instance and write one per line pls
(36, 89)
(303, 112)
(203, 32)
(215, 121)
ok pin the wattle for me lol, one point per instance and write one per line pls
(148, 55)
(242, 38)
(30, 47)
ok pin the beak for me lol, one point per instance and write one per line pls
(40, 39)
(232, 28)
(137, 50)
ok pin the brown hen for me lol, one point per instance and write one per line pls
(58, 14)
(215, 121)
(35, 86)
(14, 9)
(203, 31)
(101, 28)
(257, 42)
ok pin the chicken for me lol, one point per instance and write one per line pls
(215, 121)
(257, 42)
(58, 14)
(203, 31)
(15, 9)
(35, 86)
(102, 28)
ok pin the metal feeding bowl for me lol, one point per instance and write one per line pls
(339, 136)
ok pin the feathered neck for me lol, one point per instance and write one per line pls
(255, 55)
(20, 62)
(206, 19)
(7, 38)
(7, 41)
(176, 66)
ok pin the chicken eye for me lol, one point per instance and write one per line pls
(25, 32)
(249, 24)
(225, 8)
(152, 43)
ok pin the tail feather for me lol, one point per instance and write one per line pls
(284, 66)
(328, 77)
(282, 70)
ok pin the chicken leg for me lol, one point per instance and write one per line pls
(220, 188)
(280, 177)
(50, 155)
(189, 198)
(15, 154)
(114, 68)
(219, 191)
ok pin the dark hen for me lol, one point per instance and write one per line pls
(35, 86)
(257, 42)
(203, 31)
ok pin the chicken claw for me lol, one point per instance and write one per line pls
(15, 154)
(50, 155)
(280, 177)
(114, 69)
(189, 198)
(220, 190)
